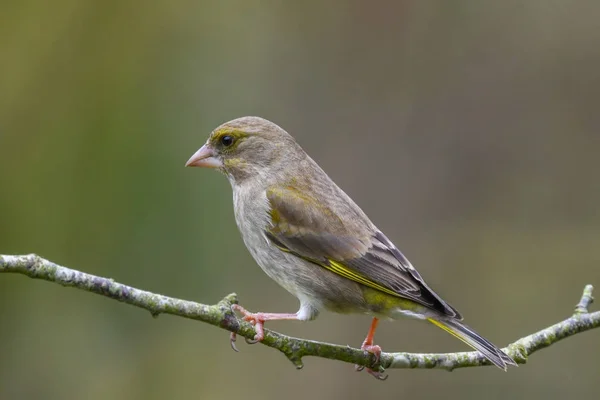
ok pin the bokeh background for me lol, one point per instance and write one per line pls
(467, 130)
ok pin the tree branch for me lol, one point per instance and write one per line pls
(295, 349)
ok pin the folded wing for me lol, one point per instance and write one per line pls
(309, 228)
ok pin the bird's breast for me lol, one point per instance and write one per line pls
(251, 208)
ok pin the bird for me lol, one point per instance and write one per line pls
(312, 239)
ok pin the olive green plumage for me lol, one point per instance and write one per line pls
(312, 239)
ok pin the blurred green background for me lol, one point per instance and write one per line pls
(469, 132)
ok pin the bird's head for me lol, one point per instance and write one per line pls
(246, 147)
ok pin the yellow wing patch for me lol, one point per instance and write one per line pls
(342, 270)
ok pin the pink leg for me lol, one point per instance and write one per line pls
(368, 343)
(258, 320)
(373, 349)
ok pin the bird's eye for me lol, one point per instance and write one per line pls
(227, 140)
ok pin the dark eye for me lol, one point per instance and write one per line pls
(227, 140)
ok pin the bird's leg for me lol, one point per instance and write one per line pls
(368, 342)
(258, 320)
(368, 346)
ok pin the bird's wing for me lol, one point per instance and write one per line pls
(305, 227)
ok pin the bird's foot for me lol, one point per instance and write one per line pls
(376, 351)
(371, 348)
(258, 320)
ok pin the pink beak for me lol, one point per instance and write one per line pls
(205, 157)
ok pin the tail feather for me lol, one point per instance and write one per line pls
(477, 342)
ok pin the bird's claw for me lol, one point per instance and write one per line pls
(373, 349)
(251, 341)
(378, 375)
(256, 319)
(376, 351)
(232, 339)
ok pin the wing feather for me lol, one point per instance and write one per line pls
(306, 227)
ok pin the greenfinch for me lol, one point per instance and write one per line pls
(313, 240)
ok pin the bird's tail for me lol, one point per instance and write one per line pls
(473, 339)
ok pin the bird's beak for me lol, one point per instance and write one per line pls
(205, 157)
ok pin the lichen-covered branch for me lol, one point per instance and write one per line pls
(295, 349)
